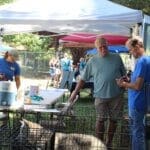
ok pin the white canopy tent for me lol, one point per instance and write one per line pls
(94, 16)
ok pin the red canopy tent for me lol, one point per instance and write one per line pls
(90, 38)
(79, 43)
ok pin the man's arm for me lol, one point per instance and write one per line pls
(77, 89)
(137, 85)
(17, 80)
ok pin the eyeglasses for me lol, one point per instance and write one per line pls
(134, 48)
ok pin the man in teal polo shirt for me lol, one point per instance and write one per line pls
(104, 67)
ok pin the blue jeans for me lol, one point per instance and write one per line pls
(137, 129)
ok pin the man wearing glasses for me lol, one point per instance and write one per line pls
(137, 103)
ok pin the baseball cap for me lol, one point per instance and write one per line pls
(14, 53)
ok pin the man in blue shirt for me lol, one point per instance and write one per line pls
(82, 64)
(66, 71)
(9, 68)
(137, 103)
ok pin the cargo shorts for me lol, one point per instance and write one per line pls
(111, 108)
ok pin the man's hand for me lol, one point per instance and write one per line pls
(120, 82)
(2, 77)
(125, 78)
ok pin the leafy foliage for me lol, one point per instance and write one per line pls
(2, 2)
(32, 42)
(143, 5)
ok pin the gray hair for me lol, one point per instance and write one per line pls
(99, 41)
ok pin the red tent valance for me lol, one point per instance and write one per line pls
(90, 38)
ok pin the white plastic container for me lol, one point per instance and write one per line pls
(34, 90)
(8, 92)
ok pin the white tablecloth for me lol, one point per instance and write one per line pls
(50, 96)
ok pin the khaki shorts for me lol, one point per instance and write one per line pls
(111, 108)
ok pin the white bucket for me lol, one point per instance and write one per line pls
(8, 92)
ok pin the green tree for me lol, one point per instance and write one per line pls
(143, 5)
(29, 41)
(2, 2)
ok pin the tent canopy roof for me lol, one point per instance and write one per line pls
(69, 16)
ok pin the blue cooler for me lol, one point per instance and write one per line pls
(8, 93)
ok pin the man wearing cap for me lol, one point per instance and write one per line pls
(104, 67)
(9, 68)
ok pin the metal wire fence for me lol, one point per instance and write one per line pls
(35, 63)
(47, 131)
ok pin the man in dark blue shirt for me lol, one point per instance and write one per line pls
(9, 68)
